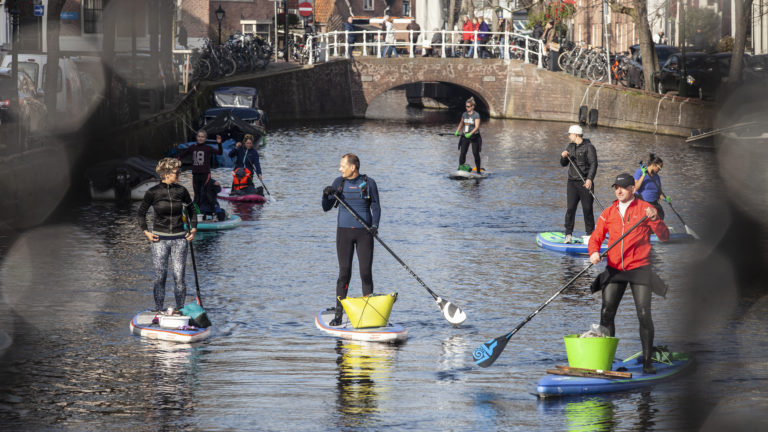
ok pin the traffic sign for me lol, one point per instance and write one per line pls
(305, 9)
(39, 10)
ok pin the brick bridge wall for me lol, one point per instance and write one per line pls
(512, 89)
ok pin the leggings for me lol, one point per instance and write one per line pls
(346, 240)
(477, 143)
(198, 181)
(176, 250)
(577, 192)
(612, 294)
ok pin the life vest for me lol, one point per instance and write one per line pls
(241, 181)
(363, 189)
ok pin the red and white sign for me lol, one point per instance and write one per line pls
(305, 9)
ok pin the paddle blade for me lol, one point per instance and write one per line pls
(451, 312)
(488, 352)
(691, 233)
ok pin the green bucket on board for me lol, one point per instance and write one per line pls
(590, 352)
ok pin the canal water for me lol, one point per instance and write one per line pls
(69, 289)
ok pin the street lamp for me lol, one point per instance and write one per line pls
(220, 16)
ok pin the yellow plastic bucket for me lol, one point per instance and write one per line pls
(370, 311)
(590, 352)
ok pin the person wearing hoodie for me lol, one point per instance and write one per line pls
(580, 157)
(483, 36)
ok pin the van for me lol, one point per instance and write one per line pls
(69, 94)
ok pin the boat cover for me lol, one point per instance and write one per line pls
(102, 175)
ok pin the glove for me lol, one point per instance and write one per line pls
(667, 199)
(328, 191)
(468, 135)
(374, 230)
(456, 133)
(643, 169)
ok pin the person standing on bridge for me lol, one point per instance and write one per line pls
(582, 158)
(361, 195)
(469, 130)
(349, 27)
(389, 38)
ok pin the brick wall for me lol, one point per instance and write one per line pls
(195, 17)
(236, 11)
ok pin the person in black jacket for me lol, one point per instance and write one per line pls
(582, 158)
(168, 235)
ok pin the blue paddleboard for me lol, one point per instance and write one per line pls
(214, 225)
(555, 241)
(559, 385)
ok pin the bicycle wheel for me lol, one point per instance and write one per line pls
(228, 66)
(562, 61)
(202, 69)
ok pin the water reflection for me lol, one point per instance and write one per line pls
(364, 370)
(594, 413)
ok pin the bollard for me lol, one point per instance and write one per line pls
(365, 43)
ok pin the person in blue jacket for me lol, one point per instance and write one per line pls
(362, 195)
(245, 156)
(648, 183)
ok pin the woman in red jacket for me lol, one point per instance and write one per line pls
(629, 261)
(467, 33)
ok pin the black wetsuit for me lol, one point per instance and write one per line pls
(350, 234)
(584, 156)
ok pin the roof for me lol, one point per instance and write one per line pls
(323, 10)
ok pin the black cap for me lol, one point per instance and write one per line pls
(624, 180)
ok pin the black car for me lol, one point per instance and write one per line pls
(702, 74)
(7, 89)
(635, 63)
(756, 68)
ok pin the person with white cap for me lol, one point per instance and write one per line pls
(629, 262)
(582, 158)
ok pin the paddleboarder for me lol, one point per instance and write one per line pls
(648, 183)
(201, 161)
(245, 156)
(362, 195)
(628, 262)
(469, 130)
(168, 237)
(580, 157)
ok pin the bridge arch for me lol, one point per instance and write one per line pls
(481, 102)
(485, 79)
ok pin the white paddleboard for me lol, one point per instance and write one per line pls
(389, 333)
(145, 325)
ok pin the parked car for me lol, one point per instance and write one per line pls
(147, 76)
(756, 68)
(31, 110)
(702, 74)
(69, 95)
(635, 63)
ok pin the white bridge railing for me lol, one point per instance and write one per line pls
(504, 45)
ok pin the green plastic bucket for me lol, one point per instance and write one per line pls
(590, 352)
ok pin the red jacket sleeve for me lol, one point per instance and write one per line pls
(660, 229)
(598, 235)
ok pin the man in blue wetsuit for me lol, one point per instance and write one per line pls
(362, 195)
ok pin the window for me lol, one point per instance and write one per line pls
(368, 5)
(406, 8)
(257, 27)
(92, 10)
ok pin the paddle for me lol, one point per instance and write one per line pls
(446, 134)
(271, 198)
(201, 319)
(584, 181)
(451, 312)
(688, 229)
(487, 353)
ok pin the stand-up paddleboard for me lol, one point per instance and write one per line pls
(562, 385)
(224, 195)
(389, 333)
(146, 324)
(468, 175)
(555, 241)
(214, 224)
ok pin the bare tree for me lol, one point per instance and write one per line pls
(451, 14)
(469, 6)
(639, 14)
(740, 10)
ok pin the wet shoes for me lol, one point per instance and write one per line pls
(568, 239)
(336, 321)
(649, 370)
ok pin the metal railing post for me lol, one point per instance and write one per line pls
(506, 45)
(349, 47)
(365, 43)
(410, 42)
(335, 44)
(527, 58)
(378, 43)
(474, 55)
(442, 45)
(327, 47)
(310, 45)
(541, 55)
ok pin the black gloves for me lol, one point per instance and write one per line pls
(374, 230)
(329, 190)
